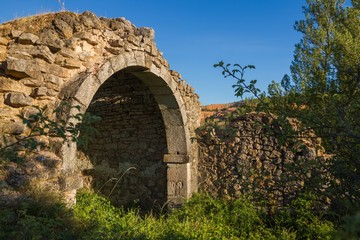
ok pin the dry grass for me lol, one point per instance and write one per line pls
(33, 24)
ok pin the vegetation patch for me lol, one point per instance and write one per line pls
(201, 217)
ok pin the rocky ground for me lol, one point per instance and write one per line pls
(217, 109)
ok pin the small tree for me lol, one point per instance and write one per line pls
(326, 81)
(323, 92)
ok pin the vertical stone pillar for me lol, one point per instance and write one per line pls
(70, 180)
(178, 183)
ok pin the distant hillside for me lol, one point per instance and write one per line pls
(217, 109)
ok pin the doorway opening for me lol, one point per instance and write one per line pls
(124, 162)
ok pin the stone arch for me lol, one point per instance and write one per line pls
(66, 56)
(160, 83)
(170, 103)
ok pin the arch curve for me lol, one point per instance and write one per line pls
(164, 89)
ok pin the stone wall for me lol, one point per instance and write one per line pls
(57, 57)
(242, 156)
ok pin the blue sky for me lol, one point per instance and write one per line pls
(195, 34)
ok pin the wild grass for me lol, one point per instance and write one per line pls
(202, 217)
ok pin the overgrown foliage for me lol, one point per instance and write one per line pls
(202, 217)
(326, 82)
(323, 94)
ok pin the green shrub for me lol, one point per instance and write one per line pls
(300, 216)
(37, 217)
(204, 217)
(101, 220)
(201, 217)
(350, 229)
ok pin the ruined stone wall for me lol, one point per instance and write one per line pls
(57, 57)
(242, 156)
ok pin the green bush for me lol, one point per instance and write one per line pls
(37, 217)
(204, 217)
(350, 229)
(101, 220)
(300, 217)
(201, 217)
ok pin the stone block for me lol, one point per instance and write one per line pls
(178, 181)
(145, 32)
(67, 153)
(90, 20)
(52, 92)
(105, 72)
(52, 69)
(70, 198)
(71, 182)
(29, 111)
(87, 57)
(3, 53)
(3, 41)
(49, 78)
(87, 90)
(16, 99)
(116, 42)
(113, 50)
(9, 85)
(50, 38)
(43, 52)
(109, 34)
(16, 33)
(176, 75)
(140, 58)
(68, 53)
(134, 40)
(127, 47)
(20, 53)
(63, 28)
(28, 38)
(88, 37)
(59, 59)
(71, 63)
(149, 79)
(7, 112)
(172, 158)
(157, 62)
(14, 128)
(40, 91)
(19, 68)
(118, 62)
(31, 82)
(177, 140)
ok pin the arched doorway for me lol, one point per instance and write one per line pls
(126, 156)
(144, 143)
